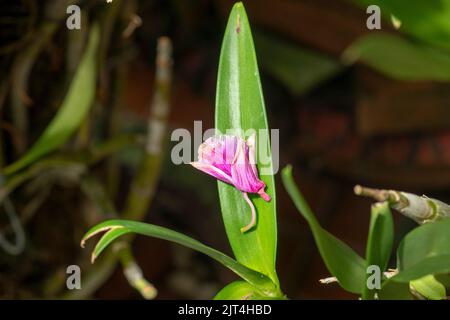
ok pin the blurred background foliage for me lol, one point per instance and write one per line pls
(353, 106)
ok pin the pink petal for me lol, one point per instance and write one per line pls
(251, 142)
(233, 160)
(242, 174)
(218, 151)
(264, 195)
(213, 171)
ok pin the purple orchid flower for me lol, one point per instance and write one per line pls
(232, 160)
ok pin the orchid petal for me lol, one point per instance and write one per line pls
(243, 176)
(233, 160)
(251, 142)
(213, 171)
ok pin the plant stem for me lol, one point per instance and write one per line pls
(144, 182)
(418, 208)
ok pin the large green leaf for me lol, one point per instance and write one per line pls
(240, 106)
(76, 104)
(424, 251)
(116, 228)
(426, 20)
(391, 290)
(237, 290)
(400, 58)
(299, 69)
(429, 287)
(379, 242)
(342, 262)
(241, 290)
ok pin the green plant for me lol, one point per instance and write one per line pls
(423, 256)
(419, 52)
(72, 112)
(254, 251)
(79, 136)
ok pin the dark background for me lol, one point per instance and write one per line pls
(351, 125)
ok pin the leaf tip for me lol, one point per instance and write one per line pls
(93, 257)
(287, 170)
(238, 5)
(92, 233)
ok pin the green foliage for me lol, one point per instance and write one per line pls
(429, 288)
(116, 228)
(241, 290)
(379, 242)
(299, 69)
(239, 99)
(240, 106)
(400, 58)
(73, 110)
(425, 20)
(391, 290)
(237, 290)
(425, 58)
(423, 256)
(342, 262)
(424, 251)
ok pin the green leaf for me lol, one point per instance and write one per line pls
(391, 290)
(241, 290)
(76, 104)
(342, 262)
(379, 242)
(424, 251)
(429, 288)
(116, 228)
(426, 20)
(240, 106)
(237, 290)
(400, 58)
(298, 68)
